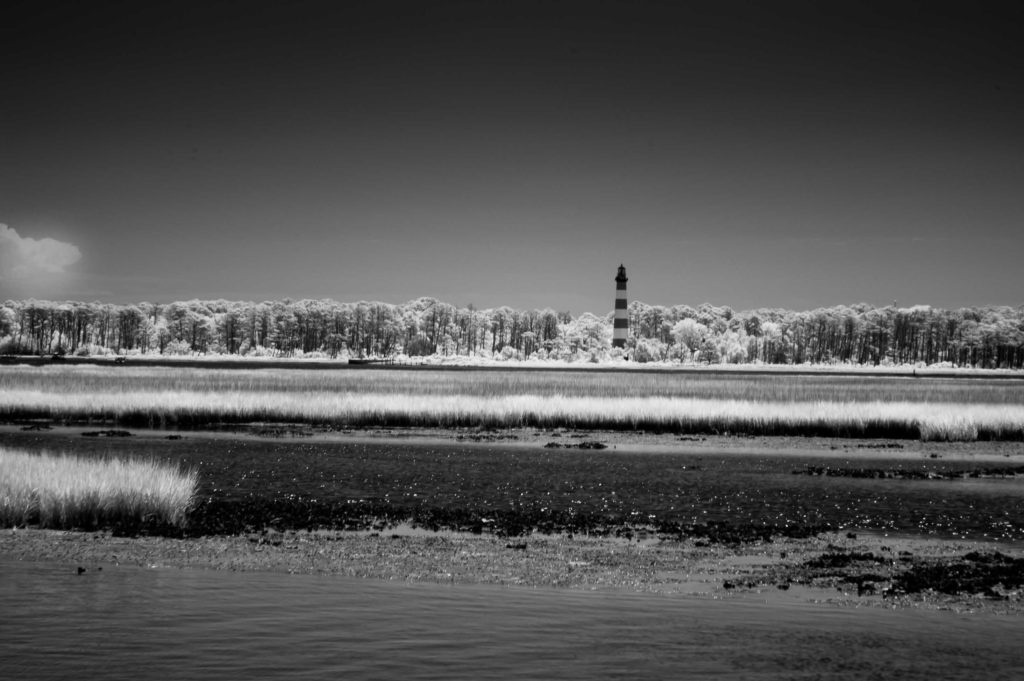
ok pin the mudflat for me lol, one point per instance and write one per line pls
(849, 568)
(831, 568)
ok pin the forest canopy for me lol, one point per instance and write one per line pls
(982, 337)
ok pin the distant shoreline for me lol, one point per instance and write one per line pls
(229, 362)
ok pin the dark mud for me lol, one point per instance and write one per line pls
(893, 573)
(587, 444)
(107, 433)
(222, 517)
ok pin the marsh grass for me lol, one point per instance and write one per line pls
(930, 409)
(66, 492)
(929, 421)
(498, 383)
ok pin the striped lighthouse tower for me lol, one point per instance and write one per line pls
(621, 329)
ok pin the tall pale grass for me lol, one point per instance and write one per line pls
(930, 421)
(499, 383)
(66, 492)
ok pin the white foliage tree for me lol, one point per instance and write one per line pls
(588, 333)
(689, 334)
(649, 350)
(732, 347)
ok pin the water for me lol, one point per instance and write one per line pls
(127, 623)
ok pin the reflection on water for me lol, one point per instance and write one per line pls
(123, 623)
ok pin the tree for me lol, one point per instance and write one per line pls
(588, 333)
(862, 334)
(689, 334)
(649, 350)
(771, 343)
(732, 347)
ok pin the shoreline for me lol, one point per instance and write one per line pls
(769, 570)
(223, 362)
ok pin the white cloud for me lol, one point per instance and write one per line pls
(24, 257)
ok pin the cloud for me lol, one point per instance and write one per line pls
(24, 257)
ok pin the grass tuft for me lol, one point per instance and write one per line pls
(66, 492)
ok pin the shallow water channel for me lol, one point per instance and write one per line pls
(129, 623)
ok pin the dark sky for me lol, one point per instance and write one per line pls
(750, 154)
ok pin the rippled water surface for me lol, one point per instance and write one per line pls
(130, 623)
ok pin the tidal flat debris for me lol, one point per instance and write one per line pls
(843, 559)
(107, 433)
(283, 431)
(587, 444)
(486, 437)
(991, 575)
(912, 474)
(985, 575)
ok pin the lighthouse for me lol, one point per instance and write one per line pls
(621, 318)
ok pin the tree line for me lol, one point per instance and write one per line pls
(984, 337)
